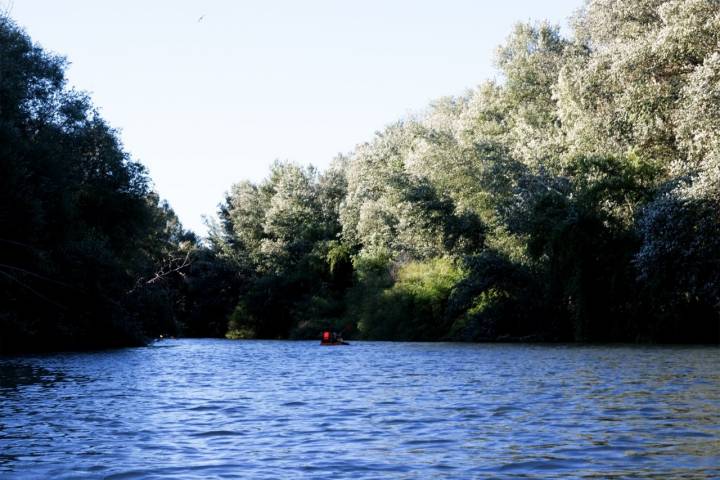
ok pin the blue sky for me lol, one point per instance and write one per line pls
(206, 102)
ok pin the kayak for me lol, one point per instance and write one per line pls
(331, 338)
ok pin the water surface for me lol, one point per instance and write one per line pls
(261, 409)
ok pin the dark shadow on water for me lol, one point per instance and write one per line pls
(18, 374)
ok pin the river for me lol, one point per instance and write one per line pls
(271, 409)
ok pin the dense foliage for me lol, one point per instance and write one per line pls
(576, 198)
(86, 246)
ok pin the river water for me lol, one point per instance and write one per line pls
(270, 409)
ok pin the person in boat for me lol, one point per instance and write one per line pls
(332, 338)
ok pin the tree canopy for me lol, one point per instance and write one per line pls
(573, 199)
(83, 237)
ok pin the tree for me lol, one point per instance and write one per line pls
(81, 226)
(679, 260)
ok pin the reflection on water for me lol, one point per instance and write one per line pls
(14, 375)
(221, 409)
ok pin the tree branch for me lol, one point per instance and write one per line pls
(38, 294)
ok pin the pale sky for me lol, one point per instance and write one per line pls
(208, 93)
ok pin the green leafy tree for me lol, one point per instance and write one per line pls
(82, 232)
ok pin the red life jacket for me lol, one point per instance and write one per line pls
(326, 336)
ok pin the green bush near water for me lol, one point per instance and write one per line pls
(413, 306)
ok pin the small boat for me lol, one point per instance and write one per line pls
(332, 339)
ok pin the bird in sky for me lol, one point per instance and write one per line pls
(201, 18)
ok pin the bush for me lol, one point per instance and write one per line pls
(413, 308)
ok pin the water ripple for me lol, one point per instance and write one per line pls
(220, 409)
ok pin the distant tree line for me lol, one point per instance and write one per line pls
(577, 198)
